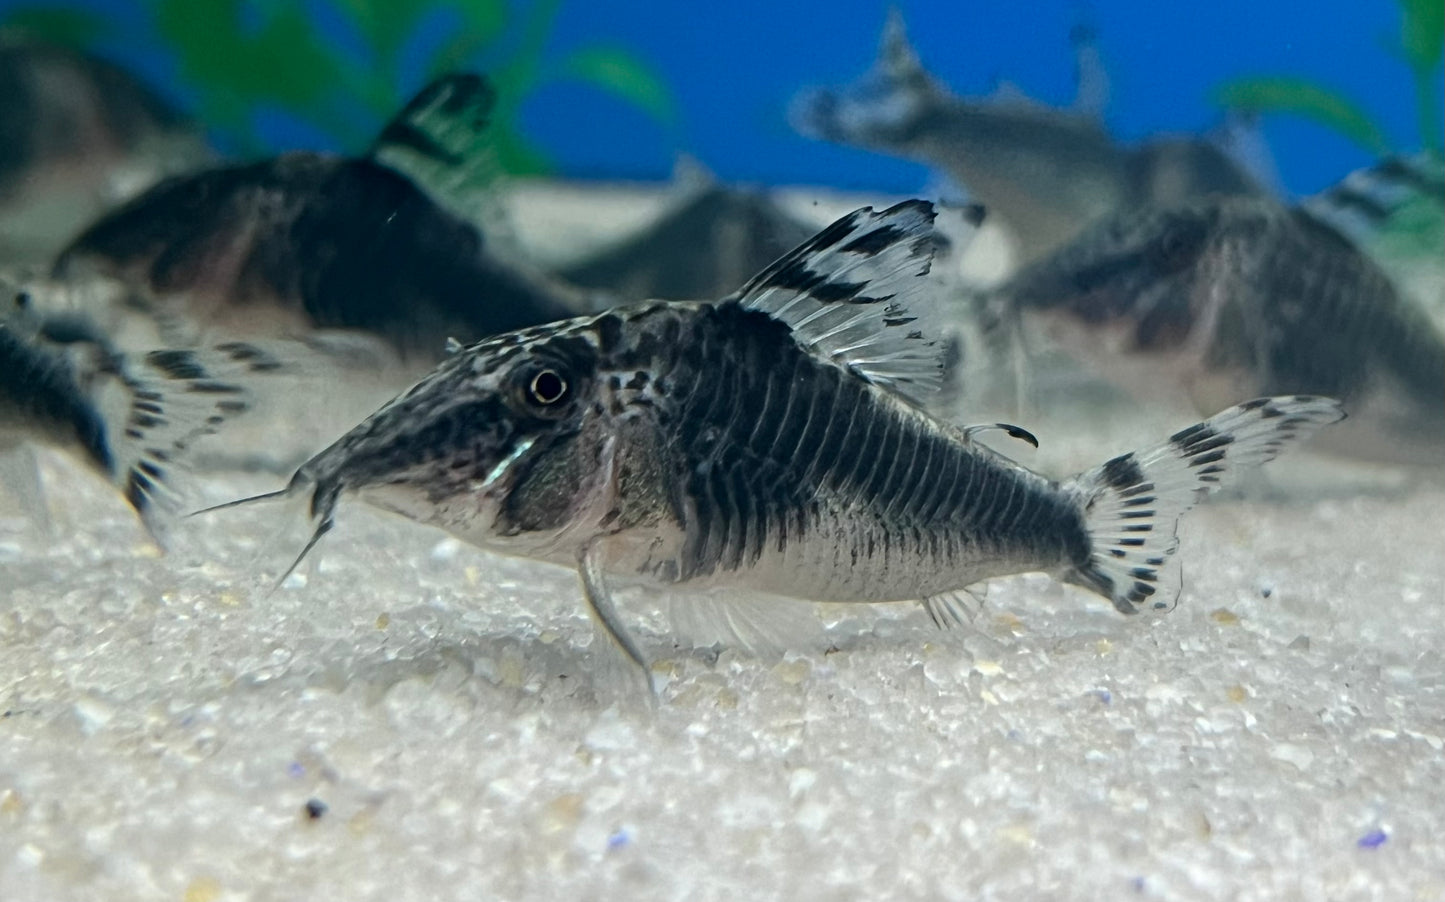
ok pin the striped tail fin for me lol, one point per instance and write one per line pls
(1133, 503)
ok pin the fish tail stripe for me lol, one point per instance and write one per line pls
(175, 397)
(1131, 505)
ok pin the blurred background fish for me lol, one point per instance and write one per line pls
(78, 135)
(1046, 172)
(1228, 297)
(710, 239)
(130, 419)
(310, 241)
(1394, 211)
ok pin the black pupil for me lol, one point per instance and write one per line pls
(548, 386)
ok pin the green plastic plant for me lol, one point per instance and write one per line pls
(243, 55)
(1419, 45)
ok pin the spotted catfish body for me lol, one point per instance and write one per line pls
(770, 441)
(1232, 297)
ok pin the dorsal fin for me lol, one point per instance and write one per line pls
(439, 140)
(1371, 201)
(896, 56)
(854, 293)
(1091, 79)
(443, 121)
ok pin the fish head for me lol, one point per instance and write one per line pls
(884, 108)
(511, 444)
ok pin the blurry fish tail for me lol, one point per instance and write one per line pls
(439, 139)
(1132, 504)
(171, 398)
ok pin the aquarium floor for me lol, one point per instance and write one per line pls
(166, 723)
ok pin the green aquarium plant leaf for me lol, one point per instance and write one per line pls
(1304, 98)
(282, 60)
(242, 55)
(1422, 44)
(66, 27)
(1422, 33)
(385, 25)
(484, 19)
(616, 70)
(483, 22)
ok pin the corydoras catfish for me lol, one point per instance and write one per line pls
(1045, 172)
(1224, 298)
(131, 420)
(309, 240)
(772, 441)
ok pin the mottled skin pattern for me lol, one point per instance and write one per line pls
(1236, 297)
(700, 443)
(771, 442)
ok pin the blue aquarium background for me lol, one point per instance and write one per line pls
(621, 89)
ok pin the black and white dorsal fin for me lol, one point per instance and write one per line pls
(1365, 202)
(439, 139)
(855, 294)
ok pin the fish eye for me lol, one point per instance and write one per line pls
(547, 387)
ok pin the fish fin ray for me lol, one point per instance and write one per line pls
(1008, 429)
(1132, 504)
(440, 141)
(953, 609)
(171, 399)
(1367, 201)
(762, 625)
(855, 293)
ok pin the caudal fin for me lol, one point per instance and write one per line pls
(171, 399)
(1132, 504)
